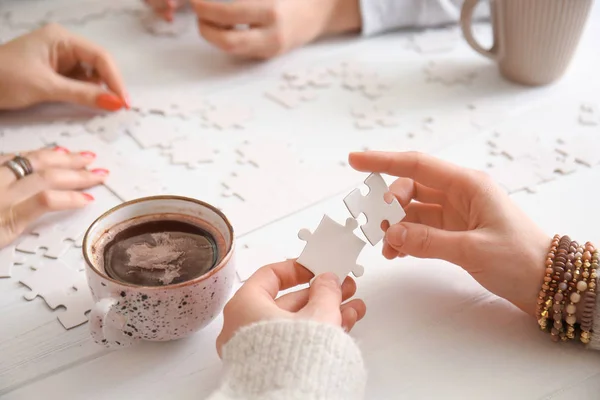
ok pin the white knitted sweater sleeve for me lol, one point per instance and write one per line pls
(291, 360)
(385, 15)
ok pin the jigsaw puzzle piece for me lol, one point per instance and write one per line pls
(76, 303)
(50, 280)
(332, 248)
(374, 207)
(9, 258)
(51, 239)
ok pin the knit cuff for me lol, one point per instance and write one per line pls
(292, 360)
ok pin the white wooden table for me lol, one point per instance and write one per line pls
(430, 331)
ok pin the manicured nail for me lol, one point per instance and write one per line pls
(88, 196)
(109, 102)
(88, 154)
(127, 101)
(100, 171)
(396, 235)
(61, 150)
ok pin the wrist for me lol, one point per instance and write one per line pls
(342, 16)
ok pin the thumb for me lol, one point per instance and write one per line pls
(84, 93)
(423, 241)
(324, 299)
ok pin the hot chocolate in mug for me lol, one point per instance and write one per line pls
(157, 292)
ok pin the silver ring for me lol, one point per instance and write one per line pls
(16, 168)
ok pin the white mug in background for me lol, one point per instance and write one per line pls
(125, 312)
(533, 40)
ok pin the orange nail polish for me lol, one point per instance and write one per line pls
(88, 196)
(61, 150)
(88, 154)
(109, 102)
(100, 171)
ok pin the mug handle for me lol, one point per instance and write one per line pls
(466, 25)
(106, 325)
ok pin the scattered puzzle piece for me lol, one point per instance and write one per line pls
(60, 285)
(308, 78)
(56, 241)
(9, 258)
(375, 208)
(289, 97)
(228, 116)
(332, 248)
(515, 176)
(111, 126)
(373, 116)
(15, 140)
(449, 72)
(369, 84)
(583, 148)
(589, 114)
(152, 131)
(192, 152)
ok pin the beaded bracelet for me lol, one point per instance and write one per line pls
(560, 263)
(547, 278)
(551, 287)
(569, 290)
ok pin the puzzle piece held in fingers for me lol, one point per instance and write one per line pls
(375, 208)
(332, 248)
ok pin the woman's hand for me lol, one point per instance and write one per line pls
(53, 186)
(166, 8)
(256, 300)
(462, 216)
(273, 26)
(51, 64)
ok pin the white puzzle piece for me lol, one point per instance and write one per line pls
(112, 126)
(332, 248)
(9, 258)
(19, 140)
(191, 152)
(583, 148)
(309, 78)
(60, 285)
(449, 72)
(374, 207)
(374, 116)
(369, 84)
(589, 114)
(55, 241)
(515, 176)
(228, 116)
(290, 97)
(153, 130)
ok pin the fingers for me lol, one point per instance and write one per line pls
(324, 299)
(55, 179)
(102, 62)
(87, 94)
(352, 312)
(229, 14)
(405, 190)
(251, 42)
(426, 214)
(14, 220)
(422, 168)
(271, 279)
(57, 158)
(427, 242)
(294, 302)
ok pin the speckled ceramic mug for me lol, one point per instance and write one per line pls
(125, 313)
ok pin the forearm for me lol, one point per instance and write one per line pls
(292, 359)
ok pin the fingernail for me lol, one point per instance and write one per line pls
(88, 196)
(396, 235)
(88, 154)
(330, 276)
(127, 101)
(61, 150)
(109, 102)
(100, 171)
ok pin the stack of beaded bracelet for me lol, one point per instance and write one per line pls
(570, 279)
